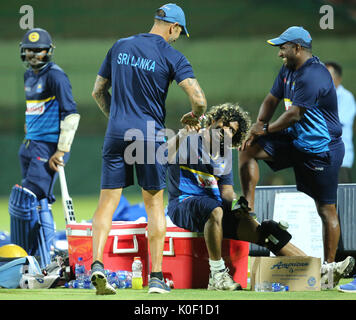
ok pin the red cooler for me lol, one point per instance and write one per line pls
(186, 260)
(126, 240)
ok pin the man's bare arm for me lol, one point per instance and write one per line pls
(174, 142)
(102, 95)
(196, 95)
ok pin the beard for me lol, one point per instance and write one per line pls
(290, 63)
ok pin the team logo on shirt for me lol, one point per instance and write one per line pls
(33, 36)
(39, 88)
(206, 181)
(37, 107)
(287, 103)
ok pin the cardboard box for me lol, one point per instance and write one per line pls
(186, 259)
(298, 273)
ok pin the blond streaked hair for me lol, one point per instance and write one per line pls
(230, 112)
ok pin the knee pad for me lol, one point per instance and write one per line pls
(273, 235)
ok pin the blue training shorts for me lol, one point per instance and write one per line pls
(193, 212)
(118, 169)
(315, 174)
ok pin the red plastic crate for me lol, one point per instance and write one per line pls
(126, 240)
(186, 260)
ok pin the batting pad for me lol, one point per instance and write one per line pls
(23, 219)
(26, 228)
(48, 230)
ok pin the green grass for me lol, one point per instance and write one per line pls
(176, 294)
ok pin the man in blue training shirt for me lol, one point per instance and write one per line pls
(201, 191)
(51, 122)
(140, 69)
(347, 112)
(307, 136)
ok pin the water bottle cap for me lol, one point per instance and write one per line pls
(80, 258)
(283, 225)
(137, 258)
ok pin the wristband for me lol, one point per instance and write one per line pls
(265, 128)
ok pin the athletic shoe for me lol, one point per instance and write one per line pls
(349, 287)
(99, 281)
(222, 280)
(331, 273)
(156, 285)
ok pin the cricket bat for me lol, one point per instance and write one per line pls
(66, 199)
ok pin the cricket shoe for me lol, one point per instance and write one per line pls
(222, 280)
(156, 285)
(331, 273)
(349, 287)
(99, 281)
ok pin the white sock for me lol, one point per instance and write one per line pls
(216, 265)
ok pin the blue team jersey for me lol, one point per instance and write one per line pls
(196, 173)
(312, 88)
(141, 69)
(48, 101)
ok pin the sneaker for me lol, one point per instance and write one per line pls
(349, 287)
(99, 281)
(222, 280)
(156, 285)
(331, 273)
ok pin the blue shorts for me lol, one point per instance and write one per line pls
(118, 166)
(193, 212)
(315, 174)
(36, 173)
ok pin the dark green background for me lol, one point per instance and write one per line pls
(227, 49)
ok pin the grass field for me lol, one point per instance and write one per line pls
(85, 207)
(177, 294)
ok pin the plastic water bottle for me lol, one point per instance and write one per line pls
(137, 274)
(124, 279)
(128, 279)
(79, 284)
(113, 279)
(266, 286)
(277, 287)
(80, 269)
(69, 284)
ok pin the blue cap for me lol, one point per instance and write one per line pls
(293, 34)
(174, 14)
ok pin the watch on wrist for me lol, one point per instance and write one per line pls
(265, 128)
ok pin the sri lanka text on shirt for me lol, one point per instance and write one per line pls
(137, 62)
